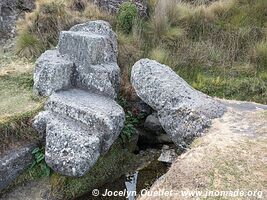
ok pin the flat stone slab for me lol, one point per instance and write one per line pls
(94, 110)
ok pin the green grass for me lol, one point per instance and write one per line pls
(18, 105)
(17, 108)
(16, 96)
(16, 81)
(239, 82)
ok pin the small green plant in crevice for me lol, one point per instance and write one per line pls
(123, 102)
(126, 16)
(129, 128)
(39, 168)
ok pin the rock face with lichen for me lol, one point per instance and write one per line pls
(10, 11)
(81, 118)
(183, 111)
(114, 5)
(14, 163)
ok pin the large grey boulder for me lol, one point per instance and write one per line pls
(89, 43)
(99, 27)
(95, 111)
(52, 73)
(86, 48)
(183, 111)
(81, 119)
(13, 163)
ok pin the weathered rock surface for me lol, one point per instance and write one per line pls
(10, 11)
(183, 111)
(153, 124)
(52, 73)
(114, 5)
(97, 112)
(99, 27)
(103, 78)
(86, 48)
(86, 58)
(81, 120)
(14, 163)
(168, 155)
(71, 148)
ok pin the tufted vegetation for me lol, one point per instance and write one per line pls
(39, 30)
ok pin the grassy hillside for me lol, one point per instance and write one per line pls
(17, 105)
(219, 47)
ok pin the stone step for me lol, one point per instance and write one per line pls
(72, 148)
(103, 79)
(97, 112)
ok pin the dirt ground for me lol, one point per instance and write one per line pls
(229, 162)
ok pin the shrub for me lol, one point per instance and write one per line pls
(126, 16)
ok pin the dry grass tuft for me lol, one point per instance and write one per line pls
(40, 29)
